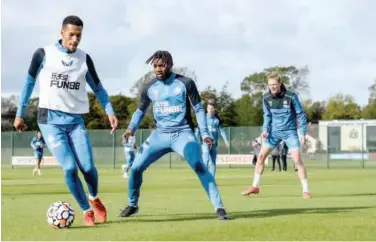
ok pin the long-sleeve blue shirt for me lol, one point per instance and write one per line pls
(36, 142)
(282, 112)
(215, 126)
(54, 116)
(171, 101)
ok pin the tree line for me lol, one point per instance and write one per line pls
(243, 111)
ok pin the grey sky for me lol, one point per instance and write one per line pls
(220, 40)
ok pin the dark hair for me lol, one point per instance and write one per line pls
(164, 55)
(211, 102)
(73, 20)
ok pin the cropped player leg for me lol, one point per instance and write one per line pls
(82, 150)
(58, 143)
(292, 141)
(81, 146)
(130, 160)
(205, 154)
(273, 163)
(151, 150)
(186, 145)
(279, 162)
(284, 162)
(213, 160)
(269, 144)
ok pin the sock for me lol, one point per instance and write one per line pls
(93, 198)
(87, 210)
(256, 180)
(305, 185)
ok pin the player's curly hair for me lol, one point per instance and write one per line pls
(73, 20)
(164, 55)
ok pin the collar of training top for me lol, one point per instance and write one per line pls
(62, 48)
(281, 93)
(169, 78)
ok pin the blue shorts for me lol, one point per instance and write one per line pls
(290, 137)
(38, 155)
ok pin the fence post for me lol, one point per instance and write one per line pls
(170, 163)
(113, 150)
(229, 141)
(327, 147)
(362, 146)
(12, 147)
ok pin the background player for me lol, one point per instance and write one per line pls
(283, 153)
(129, 151)
(256, 145)
(38, 143)
(63, 71)
(281, 110)
(214, 123)
(171, 96)
(275, 157)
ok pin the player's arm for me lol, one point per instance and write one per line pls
(267, 117)
(142, 108)
(198, 108)
(301, 115)
(35, 66)
(95, 84)
(32, 143)
(222, 131)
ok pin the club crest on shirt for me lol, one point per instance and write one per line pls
(177, 90)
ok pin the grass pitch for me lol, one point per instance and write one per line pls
(173, 206)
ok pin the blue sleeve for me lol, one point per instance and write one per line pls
(267, 117)
(32, 143)
(197, 134)
(198, 108)
(223, 134)
(139, 114)
(222, 130)
(96, 85)
(34, 69)
(301, 115)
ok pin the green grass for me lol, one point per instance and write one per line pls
(173, 206)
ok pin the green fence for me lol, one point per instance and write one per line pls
(318, 152)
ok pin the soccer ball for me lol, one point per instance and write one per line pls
(60, 215)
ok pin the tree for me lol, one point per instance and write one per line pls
(295, 79)
(369, 111)
(209, 94)
(342, 107)
(249, 110)
(226, 107)
(314, 110)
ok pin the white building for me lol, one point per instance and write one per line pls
(348, 135)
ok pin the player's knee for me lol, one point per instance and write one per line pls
(199, 168)
(70, 171)
(88, 169)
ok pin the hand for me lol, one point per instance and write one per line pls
(303, 140)
(264, 135)
(113, 122)
(209, 142)
(227, 146)
(19, 124)
(41, 145)
(126, 135)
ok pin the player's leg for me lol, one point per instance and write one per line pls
(213, 160)
(38, 159)
(157, 145)
(59, 145)
(83, 152)
(279, 162)
(292, 141)
(273, 159)
(284, 162)
(205, 154)
(186, 145)
(268, 145)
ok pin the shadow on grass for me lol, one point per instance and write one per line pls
(238, 215)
